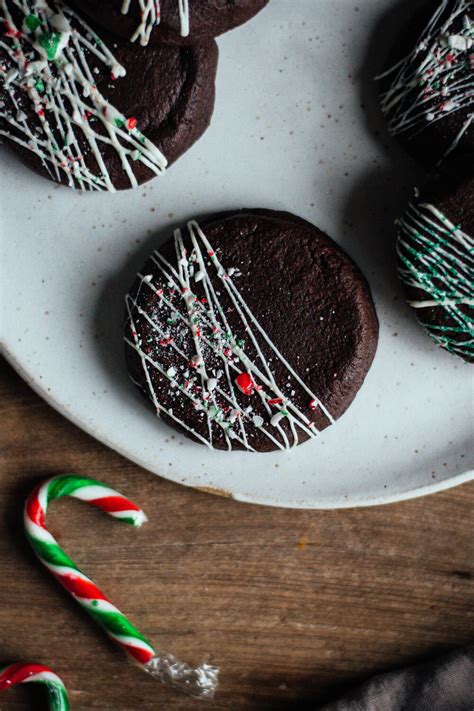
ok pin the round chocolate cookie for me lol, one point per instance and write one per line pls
(427, 93)
(253, 331)
(436, 263)
(92, 115)
(181, 21)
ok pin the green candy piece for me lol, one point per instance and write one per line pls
(119, 122)
(50, 43)
(32, 22)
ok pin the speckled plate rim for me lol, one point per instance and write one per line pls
(354, 502)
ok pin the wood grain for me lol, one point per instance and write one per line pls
(294, 606)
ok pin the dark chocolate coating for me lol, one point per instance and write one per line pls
(455, 200)
(207, 18)
(170, 90)
(306, 293)
(429, 141)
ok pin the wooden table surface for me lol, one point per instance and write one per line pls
(294, 606)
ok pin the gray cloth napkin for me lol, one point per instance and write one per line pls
(445, 684)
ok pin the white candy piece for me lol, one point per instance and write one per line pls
(197, 359)
(60, 23)
(457, 42)
(276, 419)
(449, 105)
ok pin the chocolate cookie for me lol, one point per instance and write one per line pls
(94, 118)
(181, 21)
(253, 331)
(436, 263)
(428, 90)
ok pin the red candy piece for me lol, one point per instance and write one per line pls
(313, 405)
(275, 401)
(245, 383)
(11, 31)
(131, 123)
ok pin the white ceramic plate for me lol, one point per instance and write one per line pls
(294, 129)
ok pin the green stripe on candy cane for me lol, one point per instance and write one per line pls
(23, 673)
(200, 681)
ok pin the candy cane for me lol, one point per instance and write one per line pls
(20, 673)
(200, 681)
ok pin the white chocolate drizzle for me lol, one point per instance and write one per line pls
(150, 17)
(208, 355)
(49, 58)
(437, 257)
(437, 78)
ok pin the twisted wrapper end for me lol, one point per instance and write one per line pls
(200, 681)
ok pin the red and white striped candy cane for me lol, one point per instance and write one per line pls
(26, 672)
(200, 681)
